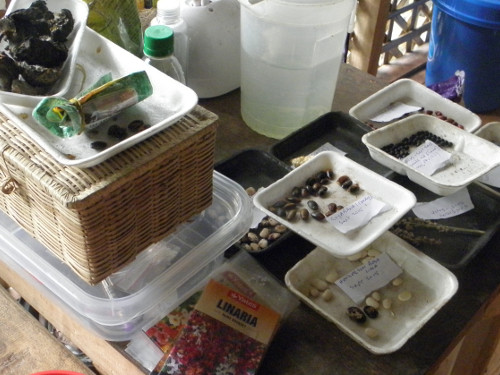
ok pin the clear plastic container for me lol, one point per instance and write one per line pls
(146, 290)
(159, 51)
(291, 53)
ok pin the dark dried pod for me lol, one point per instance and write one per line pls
(318, 216)
(320, 175)
(313, 205)
(325, 181)
(310, 189)
(311, 181)
(356, 314)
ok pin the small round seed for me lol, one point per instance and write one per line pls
(404, 296)
(327, 295)
(274, 236)
(370, 311)
(371, 332)
(387, 303)
(313, 292)
(397, 281)
(370, 301)
(264, 233)
(313, 205)
(253, 237)
(331, 276)
(263, 243)
(356, 314)
(254, 246)
(342, 179)
(376, 296)
(319, 284)
(280, 228)
(250, 191)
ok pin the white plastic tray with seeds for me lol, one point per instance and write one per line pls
(323, 233)
(403, 305)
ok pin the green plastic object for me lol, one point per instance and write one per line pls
(158, 41)
(104, 99)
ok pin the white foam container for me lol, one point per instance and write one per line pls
(472, 156)
(491, 132)
(79, 9)
(410, 92)
(323, 233)
(431, 285)
(142, 293)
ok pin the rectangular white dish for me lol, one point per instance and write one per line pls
(430, 284)
(472, 156)
(170, 101)
(143, 292)
(410, 92)
(79, 10)
(322, 233)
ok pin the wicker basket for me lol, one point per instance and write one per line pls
(98, 219)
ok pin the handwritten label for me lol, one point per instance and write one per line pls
(428, 158)
(442, 208)
(395, 111)
(491, 178)
(357, 214)
(369, 277)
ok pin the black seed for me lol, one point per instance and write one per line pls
(370, 312)
(356, 314)
(98, 145)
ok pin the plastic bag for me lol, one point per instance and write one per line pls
(118, 21)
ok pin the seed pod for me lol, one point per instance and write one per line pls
(356, 314)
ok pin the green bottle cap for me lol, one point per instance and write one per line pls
(158, 41)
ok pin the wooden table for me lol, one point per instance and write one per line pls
(306, 344)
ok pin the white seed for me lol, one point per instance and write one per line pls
(357, 256)
(250, 191)
(332, 276)
(313, 292)
(404, 296)
(263, 243)
(397, 281)
(387, 303)
(265, 232)
(376, 296)
(372, 302)
(366, 259)
(327, 295)
(253, 237)
(371, 332)
(319, 284)
(254, 246)
(373, 252)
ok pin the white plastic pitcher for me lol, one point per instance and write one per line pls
(291, 51)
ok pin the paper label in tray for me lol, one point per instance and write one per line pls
(357, 214)
(442, 208)
(428, 158)
(369, 277)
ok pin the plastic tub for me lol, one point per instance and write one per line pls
(465, 35)
(146, 290)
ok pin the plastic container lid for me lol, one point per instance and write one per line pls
(484, 13)
(158, 41)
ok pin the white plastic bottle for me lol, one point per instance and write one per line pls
(168, 12)
(159, 51)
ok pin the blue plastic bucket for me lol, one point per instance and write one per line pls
(465, 35)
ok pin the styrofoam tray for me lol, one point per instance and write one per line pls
(431, 286)
(324, 234)
(413, 93)
(472, 156)
(144, 291)
(79, 10)
(491, 132)
(169, 102)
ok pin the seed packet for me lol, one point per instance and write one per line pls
(232, 324)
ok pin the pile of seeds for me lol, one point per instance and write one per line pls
(117, 132)
(441, 116)
(292, 207)
(258, 239)
(401, 149)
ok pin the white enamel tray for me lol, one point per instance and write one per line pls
(169, 102)
(472, 156)
(323, 233)
(430, 284)
(79, 10)
(413, 93)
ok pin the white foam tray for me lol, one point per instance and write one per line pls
(80, 11)
(169, 102)
(472, 156)
(323, 233)
(410, 92)
(431, 286)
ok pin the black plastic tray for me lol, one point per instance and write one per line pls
(456, 249)
(344, 132)
(255, 168)
(337, 128)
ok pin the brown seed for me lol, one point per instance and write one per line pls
(318, 216)
(342, 179)
(347, 184)
(304, 214)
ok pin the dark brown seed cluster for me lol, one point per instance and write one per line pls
(302, 203)
(441, 116)
(401, 149)
(359, 316)
(118, 132)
